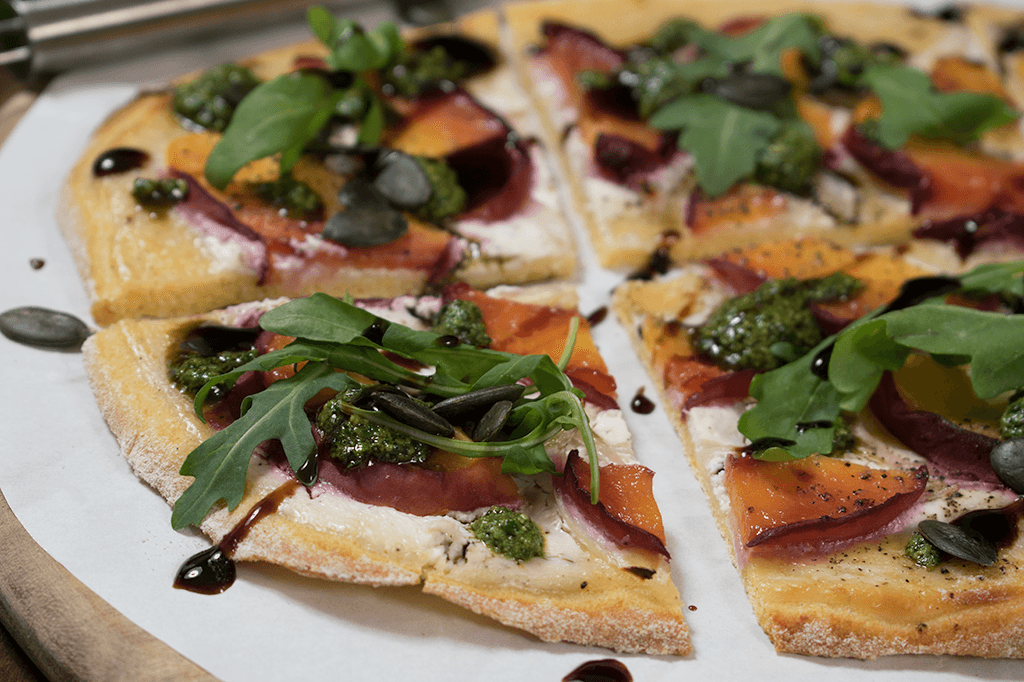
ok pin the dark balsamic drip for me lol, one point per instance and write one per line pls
(603, 670)
(375, 332)
(598, 316)
(36, 263)
(692, 607)
(641, 404)
(920, 289)
(307, 473)
(212, 571)
(660, 261)
(119, 160)
(208, 572)
(448, 341)
(819, 364)
(802, 427)
(765, 443)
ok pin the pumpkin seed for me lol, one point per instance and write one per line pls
(998, 526)
(408, 411)
(490, 424)
(1007, 460)
(43, 327)
(210, 339)
(402, 181)
(479, 399)
(368, 219)
(962, 543)
(750, 90)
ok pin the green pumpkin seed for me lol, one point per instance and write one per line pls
(959, 542)
(43, 327)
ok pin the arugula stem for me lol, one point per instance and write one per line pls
(460, 447)
(570, 343)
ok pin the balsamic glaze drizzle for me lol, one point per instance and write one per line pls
(212, 571)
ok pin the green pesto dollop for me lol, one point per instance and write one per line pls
(465, 320)
(509, 533)
(790, 160)
(447, 197)
(355, 441)
(1011, 424)
(419, 71)
(770, 326)
(842, 438)
(190, 371)
(294, 197)
(922, 552)
(210, 100)
(159, 193)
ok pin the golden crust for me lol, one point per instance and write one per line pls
(593, 602)
(864, 601)
(135, 264)
(625, 227)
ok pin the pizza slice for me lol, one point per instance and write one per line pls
(347, 441)
(850, 417)
(690, 129)
(362, 162)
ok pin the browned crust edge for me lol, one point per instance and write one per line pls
(866, 601)
(156, 429)
(627, 240)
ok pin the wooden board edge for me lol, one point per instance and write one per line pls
(67, 629)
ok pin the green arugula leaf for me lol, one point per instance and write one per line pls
(220, 463)
(330, 340)
(725, 140)
(991, 340)
(788, 397)
(763, 46)
(860, 355)
(911, 105)
(373, 123)
(995, 278)
(880, 341)
(279, 116)
(319, 317)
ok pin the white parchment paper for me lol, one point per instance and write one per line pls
(64, 477)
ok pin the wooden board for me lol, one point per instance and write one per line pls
(67, 630)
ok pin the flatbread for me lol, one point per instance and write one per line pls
(139, 264)
(582, 591)
(628, 221)
(862, 599)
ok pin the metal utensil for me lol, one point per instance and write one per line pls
(47, 36)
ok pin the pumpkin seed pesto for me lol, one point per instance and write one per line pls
(509, 533)
(771, 325)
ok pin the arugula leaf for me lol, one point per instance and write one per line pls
(881, 341)
(318, 317)
(864, 352)
(725, 139)
(911, 105)
(283, 115)
(330, 341)
(995, 278)
(787, 397)
(279, 116)
(763, 46)
(991, 340)
(220, 463)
